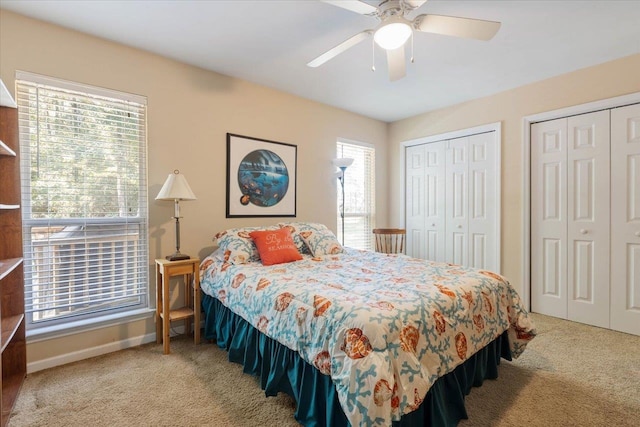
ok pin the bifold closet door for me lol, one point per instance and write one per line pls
(470, 201)
(425, 201)
(435, 201)
(588, 187)
(414, 196)
(549, 218)
(482, 202)
(457, 201)
(570, 182)
(625, 219)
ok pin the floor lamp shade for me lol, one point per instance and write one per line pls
(176, 188)
(342, 163)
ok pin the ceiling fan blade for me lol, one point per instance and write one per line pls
(354, 6)
(456, 26)
(396, 63)
(331, 53)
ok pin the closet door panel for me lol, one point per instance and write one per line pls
(588, 187)
(415, 197)
(625, 219)
(457, 201)
(435, 201)
(482, 204)
(549, 218)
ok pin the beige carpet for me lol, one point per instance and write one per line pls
(570, 375)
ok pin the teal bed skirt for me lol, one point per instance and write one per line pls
(281, 369)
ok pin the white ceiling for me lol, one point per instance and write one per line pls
(270, 42)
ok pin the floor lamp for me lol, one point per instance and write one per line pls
(176, 188)
(342, 163)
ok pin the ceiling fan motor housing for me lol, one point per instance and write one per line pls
(390, 8)
(398, 7)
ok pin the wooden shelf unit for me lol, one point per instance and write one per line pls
(8, 265)
(11, 387)
(5, 150)
(10, 326)
(12, 341)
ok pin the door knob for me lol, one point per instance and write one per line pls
(583, 231)
(637, 233)
(459, 226)
(433, 225)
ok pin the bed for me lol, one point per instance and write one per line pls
(359, 337)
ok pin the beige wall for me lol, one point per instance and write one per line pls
(607, 80)
(190, 110)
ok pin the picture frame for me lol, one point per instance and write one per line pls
(261, 177)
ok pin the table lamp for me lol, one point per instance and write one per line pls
(176, 188)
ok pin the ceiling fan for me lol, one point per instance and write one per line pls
(395, 29)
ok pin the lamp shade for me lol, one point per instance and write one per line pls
(176, 187)
(343, 162)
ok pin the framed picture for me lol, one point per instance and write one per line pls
(261, 177)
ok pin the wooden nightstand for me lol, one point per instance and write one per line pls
(188, 268)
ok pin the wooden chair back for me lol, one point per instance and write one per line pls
(389, 240)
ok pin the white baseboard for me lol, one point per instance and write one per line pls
(99, 350)
(89, 352)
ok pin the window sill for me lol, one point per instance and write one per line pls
(72, 328)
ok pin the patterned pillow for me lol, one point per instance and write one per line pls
(296, 229)
(275, 246)
(238, 244)
(321, 241)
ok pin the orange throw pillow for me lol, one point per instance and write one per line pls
(275, 246)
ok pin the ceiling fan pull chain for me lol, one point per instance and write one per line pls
(373, 55)
(412, 46)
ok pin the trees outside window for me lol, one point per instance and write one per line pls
(84, 200)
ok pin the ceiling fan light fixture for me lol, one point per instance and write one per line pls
(392, 34)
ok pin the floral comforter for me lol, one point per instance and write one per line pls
(384, 327)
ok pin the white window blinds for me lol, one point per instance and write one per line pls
(359, 188)
(84, 200)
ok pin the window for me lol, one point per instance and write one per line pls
(84, 200)
(359, 191)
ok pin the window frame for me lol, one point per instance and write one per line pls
(370, 216)
(71, 323)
